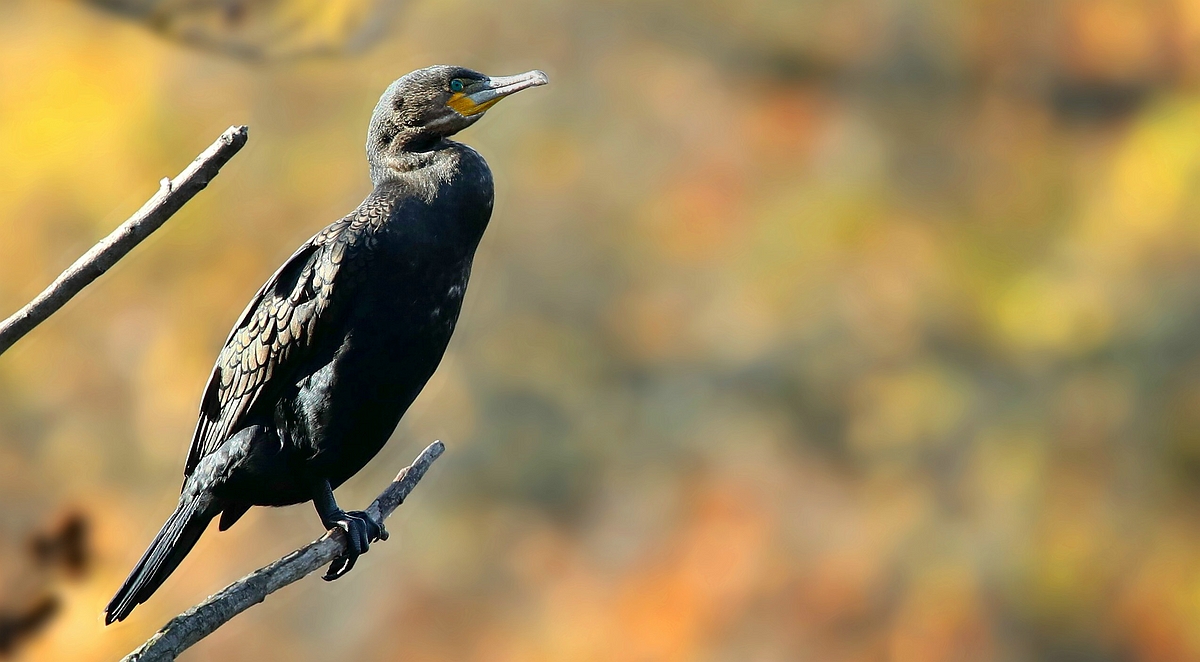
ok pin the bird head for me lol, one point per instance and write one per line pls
(429, 104)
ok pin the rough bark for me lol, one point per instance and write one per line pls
(172, 194)
(203, 619)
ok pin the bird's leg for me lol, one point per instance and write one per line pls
(360, 528)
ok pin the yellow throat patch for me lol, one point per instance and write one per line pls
(463, 105)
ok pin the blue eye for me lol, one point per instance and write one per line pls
(456, 85)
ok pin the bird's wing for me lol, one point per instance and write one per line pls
(274, 335)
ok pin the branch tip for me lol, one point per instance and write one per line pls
(171, 196)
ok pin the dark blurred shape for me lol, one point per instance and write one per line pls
(263, 29)
(29, 604)
(1097, 100)
(1109, 58)
(19, 624)
(64, 547)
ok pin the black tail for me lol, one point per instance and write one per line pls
(173, 542)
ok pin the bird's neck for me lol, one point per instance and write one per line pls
(397, 163)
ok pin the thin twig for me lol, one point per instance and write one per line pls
(203, 619)
(172, 194)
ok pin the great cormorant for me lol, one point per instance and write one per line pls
(333, 349)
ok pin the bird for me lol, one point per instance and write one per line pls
(331, 351)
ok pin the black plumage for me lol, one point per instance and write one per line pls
(337, 344)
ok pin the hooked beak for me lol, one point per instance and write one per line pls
(484, 94)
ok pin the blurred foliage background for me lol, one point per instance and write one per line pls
(804, 329)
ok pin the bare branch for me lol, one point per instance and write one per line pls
(171, 195)
(203, 619)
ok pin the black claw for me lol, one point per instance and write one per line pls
(360, 530)
(336, 569)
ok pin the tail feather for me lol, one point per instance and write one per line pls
(173, 542)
